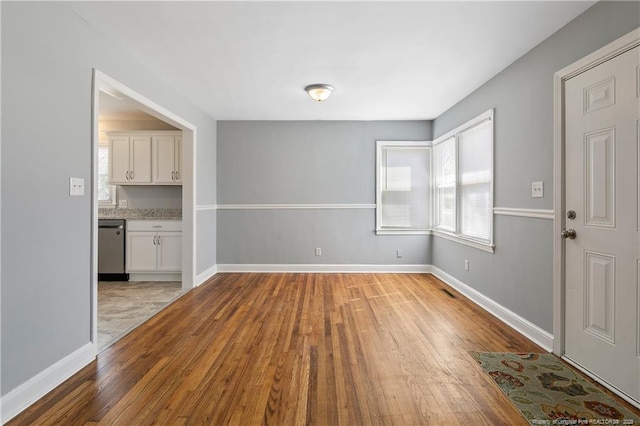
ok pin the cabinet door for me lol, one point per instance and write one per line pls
(141, 159)
(119, 160)
(141, 251)
(169, 251)
(177, 163)
(164, 159)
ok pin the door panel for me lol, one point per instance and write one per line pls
(141, 159)
(599, 295)
(119, 160)
(602, 315)
(600, 170)
(169, 251)
(163, 159)
(141, 251)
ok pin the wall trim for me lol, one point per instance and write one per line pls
(20, 398)
(533, 213)
(294, 206)
(324, 268)
(205, 275)
(206, 207)
(513, 320)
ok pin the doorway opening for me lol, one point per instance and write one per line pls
(143, 215)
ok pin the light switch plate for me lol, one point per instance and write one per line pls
(123, 204)
(537, 189)
(76, 187)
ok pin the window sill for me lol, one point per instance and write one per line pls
(489, 248)
(401, 231)
(102, 205)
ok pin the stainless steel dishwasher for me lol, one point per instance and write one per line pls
(111, 250)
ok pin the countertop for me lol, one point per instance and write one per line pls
(140, 214)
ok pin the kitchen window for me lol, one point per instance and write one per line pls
(106, 192)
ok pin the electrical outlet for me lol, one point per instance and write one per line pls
(537, 189)
(466, 264)
(318, 251)
(123, 204)
(399, 253)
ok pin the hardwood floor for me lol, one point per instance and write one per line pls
(289, 349)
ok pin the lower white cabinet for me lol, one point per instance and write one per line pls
(154, 246)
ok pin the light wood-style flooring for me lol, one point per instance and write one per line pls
(294, 349)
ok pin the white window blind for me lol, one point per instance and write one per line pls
(445, 184)
(404, 183)
(463, 182)
(475, 181)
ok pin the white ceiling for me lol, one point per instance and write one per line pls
(387, 60)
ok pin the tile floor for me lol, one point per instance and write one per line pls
(122, 306)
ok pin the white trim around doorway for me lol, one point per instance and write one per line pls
(102, 82)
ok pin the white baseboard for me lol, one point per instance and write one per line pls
(205, 275)
(320, 268)
(515, 321)
(20, 398)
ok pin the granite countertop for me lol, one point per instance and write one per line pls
(140, 214)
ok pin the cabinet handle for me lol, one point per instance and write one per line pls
(131, 174)
(126, 175)
(177, 175)
(158, 239)
(154, 239)
(173, 175)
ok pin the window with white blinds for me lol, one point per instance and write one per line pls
(403, 187)
(463, 181)
(445, 184)
(475, 181)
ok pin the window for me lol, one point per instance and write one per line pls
(106, 192)
(403, 187)
(463, 182)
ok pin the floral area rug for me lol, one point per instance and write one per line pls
(546, 391)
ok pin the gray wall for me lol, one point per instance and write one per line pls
(302, 162)
(519, 274)
(47, 58)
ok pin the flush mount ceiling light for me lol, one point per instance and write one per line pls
(319, 92)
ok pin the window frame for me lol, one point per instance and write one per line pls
(486, 245)
(380, 229)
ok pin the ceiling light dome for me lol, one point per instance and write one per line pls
(319, 92)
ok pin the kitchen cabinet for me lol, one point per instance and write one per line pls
(145, 157)
(167, 159)
(154, 246)
(130, 159)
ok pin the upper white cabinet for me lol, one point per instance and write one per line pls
(145, 158)
(167, 159)
(130, 159)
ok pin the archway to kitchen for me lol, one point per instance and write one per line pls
(175, 256)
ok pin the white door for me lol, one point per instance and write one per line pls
(119, 160)
(178, 160)
(140, 159)
(169, 251)
(142, 251)
(602, 116)
(164, 159)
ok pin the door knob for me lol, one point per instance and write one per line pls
(568, 233)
